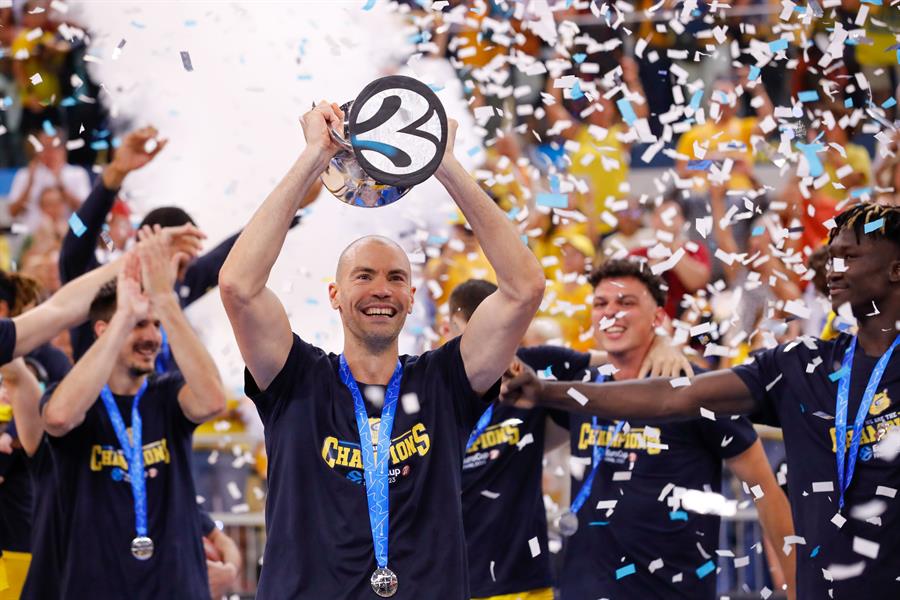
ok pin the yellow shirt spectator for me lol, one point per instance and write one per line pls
(729, 138)
(39, 57)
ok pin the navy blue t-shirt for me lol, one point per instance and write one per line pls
(503, 507)
(86, 519)
(12, 467)
(16, 490)
(319, 543)
(624, 522)
(803, 404)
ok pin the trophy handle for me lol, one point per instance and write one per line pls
(337, 137)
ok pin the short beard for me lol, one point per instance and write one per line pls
(136, 372)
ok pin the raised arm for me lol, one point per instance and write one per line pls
(498, 324)
(77, 254)
(753, 468)
(203, 396)
(78, 390)
(257, 317)
(24, 394)
(655, 399)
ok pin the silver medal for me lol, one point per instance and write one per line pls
(142, 547)
(568, 523)
(384, 582)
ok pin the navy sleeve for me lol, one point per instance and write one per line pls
(563, 363)
(299, 359)
(53, 361)
(7, 340)
(207, 525)
(468, 404)
(73, 437)
(203, 273)
(763, 377)
(168, 386)
(77, 257)
(727, 437)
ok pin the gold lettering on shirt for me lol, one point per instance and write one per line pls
(497, 435)
(645, 439)
(415, 442)
(108, 457)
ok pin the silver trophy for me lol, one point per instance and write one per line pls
(394, 137)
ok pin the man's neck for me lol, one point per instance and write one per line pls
(877, 332)
(628, 363)
(123, 382)
(371, 365)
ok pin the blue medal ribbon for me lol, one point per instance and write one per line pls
(597, 458)
(483, 421)
(845, 475)
(133, 451)
(375, 463)
(164, 358)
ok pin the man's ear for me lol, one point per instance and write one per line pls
(444, 329)
(659, 317)
(332, 296)
(894, 273)
(412, 299)
(100, 327)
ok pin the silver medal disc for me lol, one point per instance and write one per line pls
(568, 523)
(142, 547)
(384, 582)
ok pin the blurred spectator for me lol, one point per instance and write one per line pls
(815, 296)
(568, 299)
(47, 169)
(692, 271)
(877, 60)
(461, 259)
(39, 55)
(10, 106)
(631, 231)
(598, 139)
(725, 134)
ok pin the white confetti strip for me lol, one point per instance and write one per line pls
(578, 396)
(534, 546)
(707, 414)
(839, 520)
(884, 490)
(865, 547)
(823, 486)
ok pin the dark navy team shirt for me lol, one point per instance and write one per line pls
(319, 544)
(803, 404)
(503, 506)
(641, 465)
(8, 464)
(86, 518)
(16, 493)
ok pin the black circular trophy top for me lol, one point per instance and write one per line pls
(398, 130)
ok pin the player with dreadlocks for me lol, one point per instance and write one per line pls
(837, 402)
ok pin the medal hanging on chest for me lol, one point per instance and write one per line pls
(568, 522)
(375, 466)
(141, 545)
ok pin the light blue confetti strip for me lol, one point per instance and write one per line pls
(553, 200)
(848, 103)
(190, 23)
(577, 94)
(898, 57)
(859, 192)
(579, 58)
(548, 372)
(100, 145)
(524, 239)
(758, 230)
(70, 101)
(554, 184)
(435, 87)
(77, 225)
(696, 98)
(872, 2)
(369, 5)
(48, 128)
(474, 150)
(837, 374)
(754, 73)
(874, 225)
(815, 552)
(778, 45)
(625, 571)
(678, 515)
(626, 110)
(809, 151)
(598, 523)
(889, 103)
(137, 24)
(705, 569)
(808, 96)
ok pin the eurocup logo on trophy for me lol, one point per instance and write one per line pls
(394, 137)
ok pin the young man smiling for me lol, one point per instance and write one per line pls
(837, 402)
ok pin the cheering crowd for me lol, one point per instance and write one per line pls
(659, 250)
